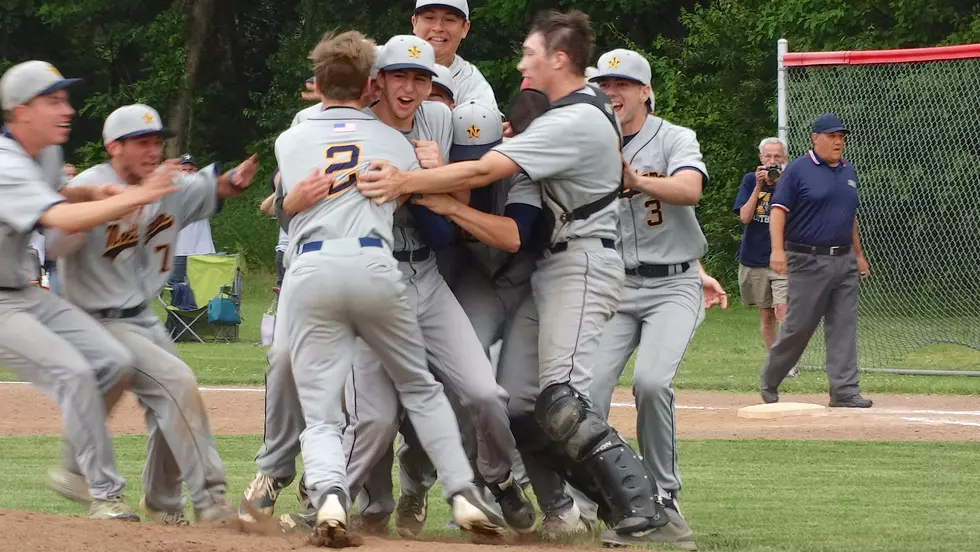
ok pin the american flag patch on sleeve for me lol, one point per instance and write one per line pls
(344, 127)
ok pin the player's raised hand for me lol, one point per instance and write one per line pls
(157, 184)
(242, 175)
(427, 152)
(440, 204)
(310, 94)
(714, 294)
(382, 182)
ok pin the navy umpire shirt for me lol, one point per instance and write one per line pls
(820, 201)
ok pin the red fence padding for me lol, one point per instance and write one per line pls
(874, 57)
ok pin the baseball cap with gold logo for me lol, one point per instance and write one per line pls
(623, 64)
(25, 81)
(476, 129)
(132, 121)
(403, 52)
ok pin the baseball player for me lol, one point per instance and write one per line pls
(572, 151)
(340, 237)
(666, 290)
(454, 350)
(494, 276)
(276, 458)
(443, 89)
(444, 24)
(115, 270)
(44, 339)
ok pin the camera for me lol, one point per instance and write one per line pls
(773, 173)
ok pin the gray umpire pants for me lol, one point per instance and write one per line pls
(819, 287)
(367, 299)
(455, 353)
(74, 361)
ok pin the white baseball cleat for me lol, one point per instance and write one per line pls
(331, 522)
(472, 513)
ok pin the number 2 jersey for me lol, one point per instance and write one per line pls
(653, 232)
(342, 140)
(125, 263)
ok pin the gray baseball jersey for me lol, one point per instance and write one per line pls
(433, 121)
(345, 140)
(29, 187)
(126, 263)
(470, 84)
(569, 151)
(306, 113)
(655, 232)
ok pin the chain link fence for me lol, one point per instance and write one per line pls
(915, 143)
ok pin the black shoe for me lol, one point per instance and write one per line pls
(514, 504)
(854, 401)
(410, 514)
(770, 396)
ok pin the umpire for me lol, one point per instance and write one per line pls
(814, 231)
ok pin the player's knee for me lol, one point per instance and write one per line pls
(651, 386)
(565, 419)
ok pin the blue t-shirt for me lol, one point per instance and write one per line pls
(755, 247)
(820, 201)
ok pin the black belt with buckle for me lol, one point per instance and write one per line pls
(121, 313)
(318, 245)
(656, 271)
(833, 251)
(11, 289)
(419, 255)
(562, 246)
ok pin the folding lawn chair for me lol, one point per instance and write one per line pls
(216, 283)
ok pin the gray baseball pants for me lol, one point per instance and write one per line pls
(457, 357)
(819, 287)
(367, 299)
(73, 360)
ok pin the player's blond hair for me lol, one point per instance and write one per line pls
(342, 65)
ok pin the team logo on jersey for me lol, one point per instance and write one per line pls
(117, 240)
(613, 63)
(160, 223)
(473, 133)
(414, 52)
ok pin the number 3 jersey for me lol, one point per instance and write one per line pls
(653, 232)
(125, 263)
(344, 141)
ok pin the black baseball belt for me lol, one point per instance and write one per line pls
(657, 271)
(833, 251)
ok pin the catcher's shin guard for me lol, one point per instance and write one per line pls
(607, 465)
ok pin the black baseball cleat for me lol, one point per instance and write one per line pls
(770, 396)
(410, 514)
(514, 504)
(669, 534)
(854, 401)
(471, 513)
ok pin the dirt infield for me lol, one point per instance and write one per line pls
(700, 415)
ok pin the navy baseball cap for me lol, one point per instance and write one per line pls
(828, 123)
(187, 159)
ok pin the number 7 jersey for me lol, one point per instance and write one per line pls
(344, 141)
(653, 232)
(125, 263)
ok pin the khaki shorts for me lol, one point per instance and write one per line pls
(761, 287)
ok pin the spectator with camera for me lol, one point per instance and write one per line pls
(759, 285)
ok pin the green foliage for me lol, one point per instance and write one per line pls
(714, 66)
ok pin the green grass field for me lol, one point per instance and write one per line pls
(761, 495)
(742, 495)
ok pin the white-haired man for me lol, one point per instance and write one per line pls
(759, 285)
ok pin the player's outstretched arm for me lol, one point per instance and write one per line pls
(382, 182)
(234, 182)
(500, 232)
(81, 217)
